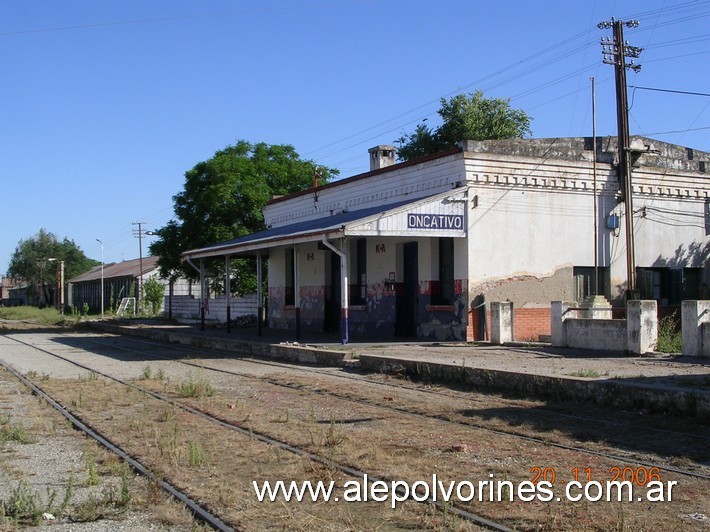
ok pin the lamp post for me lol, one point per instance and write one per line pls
(101, 291)
(60, 283)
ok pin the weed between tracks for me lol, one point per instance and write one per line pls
(217, 465)
(90, 484)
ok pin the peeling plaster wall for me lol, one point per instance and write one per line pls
(529, 291)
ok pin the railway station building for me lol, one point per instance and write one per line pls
(420, 249)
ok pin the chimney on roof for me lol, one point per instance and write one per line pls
(381, 156)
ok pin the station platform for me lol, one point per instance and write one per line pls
(659, 382)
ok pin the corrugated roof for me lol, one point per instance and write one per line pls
(127, 268)
(318, 226)
(310, 230)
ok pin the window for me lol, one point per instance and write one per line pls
(289, 278)
(668, 286)
(358, 295)
(584, 281)
(445, 295)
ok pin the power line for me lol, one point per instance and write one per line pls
(635, 87)
(689, 130)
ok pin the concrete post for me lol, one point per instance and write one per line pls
(641, 326)
(693, 315)
(558, 315)
(501, 322)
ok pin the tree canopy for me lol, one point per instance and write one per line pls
(222, 199)
(30, 262)
(465, 117)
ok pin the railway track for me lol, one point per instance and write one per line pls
(354, 376)
(309, 371)
(199, 511)
(206, 365)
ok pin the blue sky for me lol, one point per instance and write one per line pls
(105, 105)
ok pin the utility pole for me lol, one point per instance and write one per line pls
(615, 52)
(138, 233)
(101, 292)
(594, 187)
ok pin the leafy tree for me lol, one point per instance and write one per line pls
(465, 117)
(222, 199)
(30, 262)
(153, 293)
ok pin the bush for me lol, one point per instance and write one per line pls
(669, 335)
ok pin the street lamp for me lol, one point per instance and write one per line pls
(101, 292)
(60, 283)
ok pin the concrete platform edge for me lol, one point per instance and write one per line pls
(615, 393)
(610, 392)
(282, 352)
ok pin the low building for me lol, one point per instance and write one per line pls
(419, 249)
(6, 286)
(13, 292)
(120, 280)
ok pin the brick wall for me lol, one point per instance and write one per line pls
(528, 324)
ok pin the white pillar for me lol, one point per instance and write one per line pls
(558, 314)
(501, 322)
(693, 315)
(641, 326)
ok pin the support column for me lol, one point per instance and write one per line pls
(296, 292)
(344, 302)
(641, 326)
(501, 322)
(693, 315)
(228, 291)
(344, 313)
(259, 295)
(203, 294)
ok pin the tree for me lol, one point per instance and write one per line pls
(153, 293)
(465, 117)
(30, 262)
(222, 200)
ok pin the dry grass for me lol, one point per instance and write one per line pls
(216, 465)
(109, 489)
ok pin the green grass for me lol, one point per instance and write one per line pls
(44, 316)
(196, 387)
(11, 432)
(195, 454)
(25, 506)
(669, 337)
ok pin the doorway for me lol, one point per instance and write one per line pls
(333, 294)
(408, 301)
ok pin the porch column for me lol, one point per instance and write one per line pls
(343, 293)
(228, 291)
(259, 295)
(203, 299)
(296, 292)
(343, 285)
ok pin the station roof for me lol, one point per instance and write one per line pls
(381, 220)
